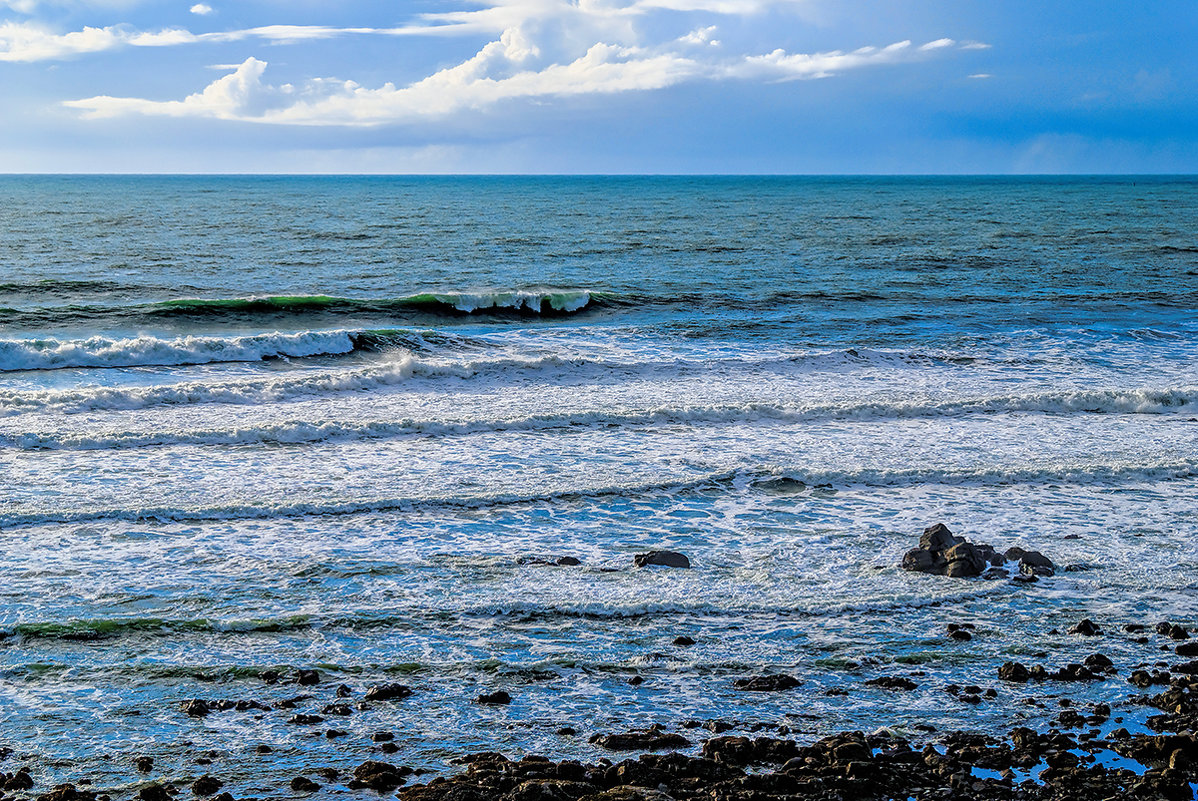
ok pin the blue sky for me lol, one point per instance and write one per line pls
(598, 86)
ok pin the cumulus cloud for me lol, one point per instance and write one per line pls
(498, 73)
(202, 9)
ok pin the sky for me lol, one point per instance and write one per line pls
(599, 86)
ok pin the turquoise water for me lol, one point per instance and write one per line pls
(275, 423)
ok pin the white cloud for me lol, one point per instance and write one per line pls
(700, 36)
(202, 9)
(981, 75)
(937, 44)
(496, 74)
(974, 46)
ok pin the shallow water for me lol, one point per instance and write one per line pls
(786, 379)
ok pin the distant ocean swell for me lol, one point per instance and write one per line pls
(1140, 401)
(519, 302)
(766, 479)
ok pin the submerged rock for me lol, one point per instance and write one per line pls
(382, 777)
(388, 692)
(772, 683)
(662, 559)
(496, 698)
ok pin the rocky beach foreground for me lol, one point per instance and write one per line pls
(1137, 740)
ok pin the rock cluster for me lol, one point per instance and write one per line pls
(942, 553)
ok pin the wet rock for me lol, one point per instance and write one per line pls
(1186, 649)
(379, 776)
(21, 780)
(943, 553)
(654, 738)
(307, 678)
(1031, 562)
(746, 751)
(558, 561)
(662, 559)
(337, 709)
(154, 792)
(305, 720)
(382, 737)
(1014, 671)
(333, 734)
(206, 785)
(892, 683)
(387, 692)
(1099, 663)
(1073, 672)
(302, 784)
(496, 698)
(1172, 631)
(144, 764)
(772, 683)
(683, 641)
(344, 691)
(195, 707)
(960, 635)
(636, 681)
(1087, 628)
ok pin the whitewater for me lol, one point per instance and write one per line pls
(254, 425)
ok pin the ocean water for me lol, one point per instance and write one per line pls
(253, 424)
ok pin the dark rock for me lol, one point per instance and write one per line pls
(568, 561)
(1031, 562)
(379, 776)
(307, 678)
(305, 720)
(960, 635)
(495, 698)
(938, 538)
(382, 737)
(196, 707)
(1014, 671)
(683, 641)
(344, 691)
(652, 739)
(662, 559)
(892, 683)
(21, 780)
(144, 764)
(1087, 628)
(337, 709)
(745, 751)
(302, 784)
(154, 792)
(388, 692)
(1186, 649)
(964, 560)
(772, 683)
(206, 785)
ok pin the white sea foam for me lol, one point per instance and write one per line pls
(1136, 401)
(1115, 474)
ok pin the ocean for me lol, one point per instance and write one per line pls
(255, 424)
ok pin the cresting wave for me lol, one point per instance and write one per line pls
(149, 351)
(297, 432)
(765, 479)
(518, 302)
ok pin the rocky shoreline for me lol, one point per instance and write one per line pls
(1137, 741)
